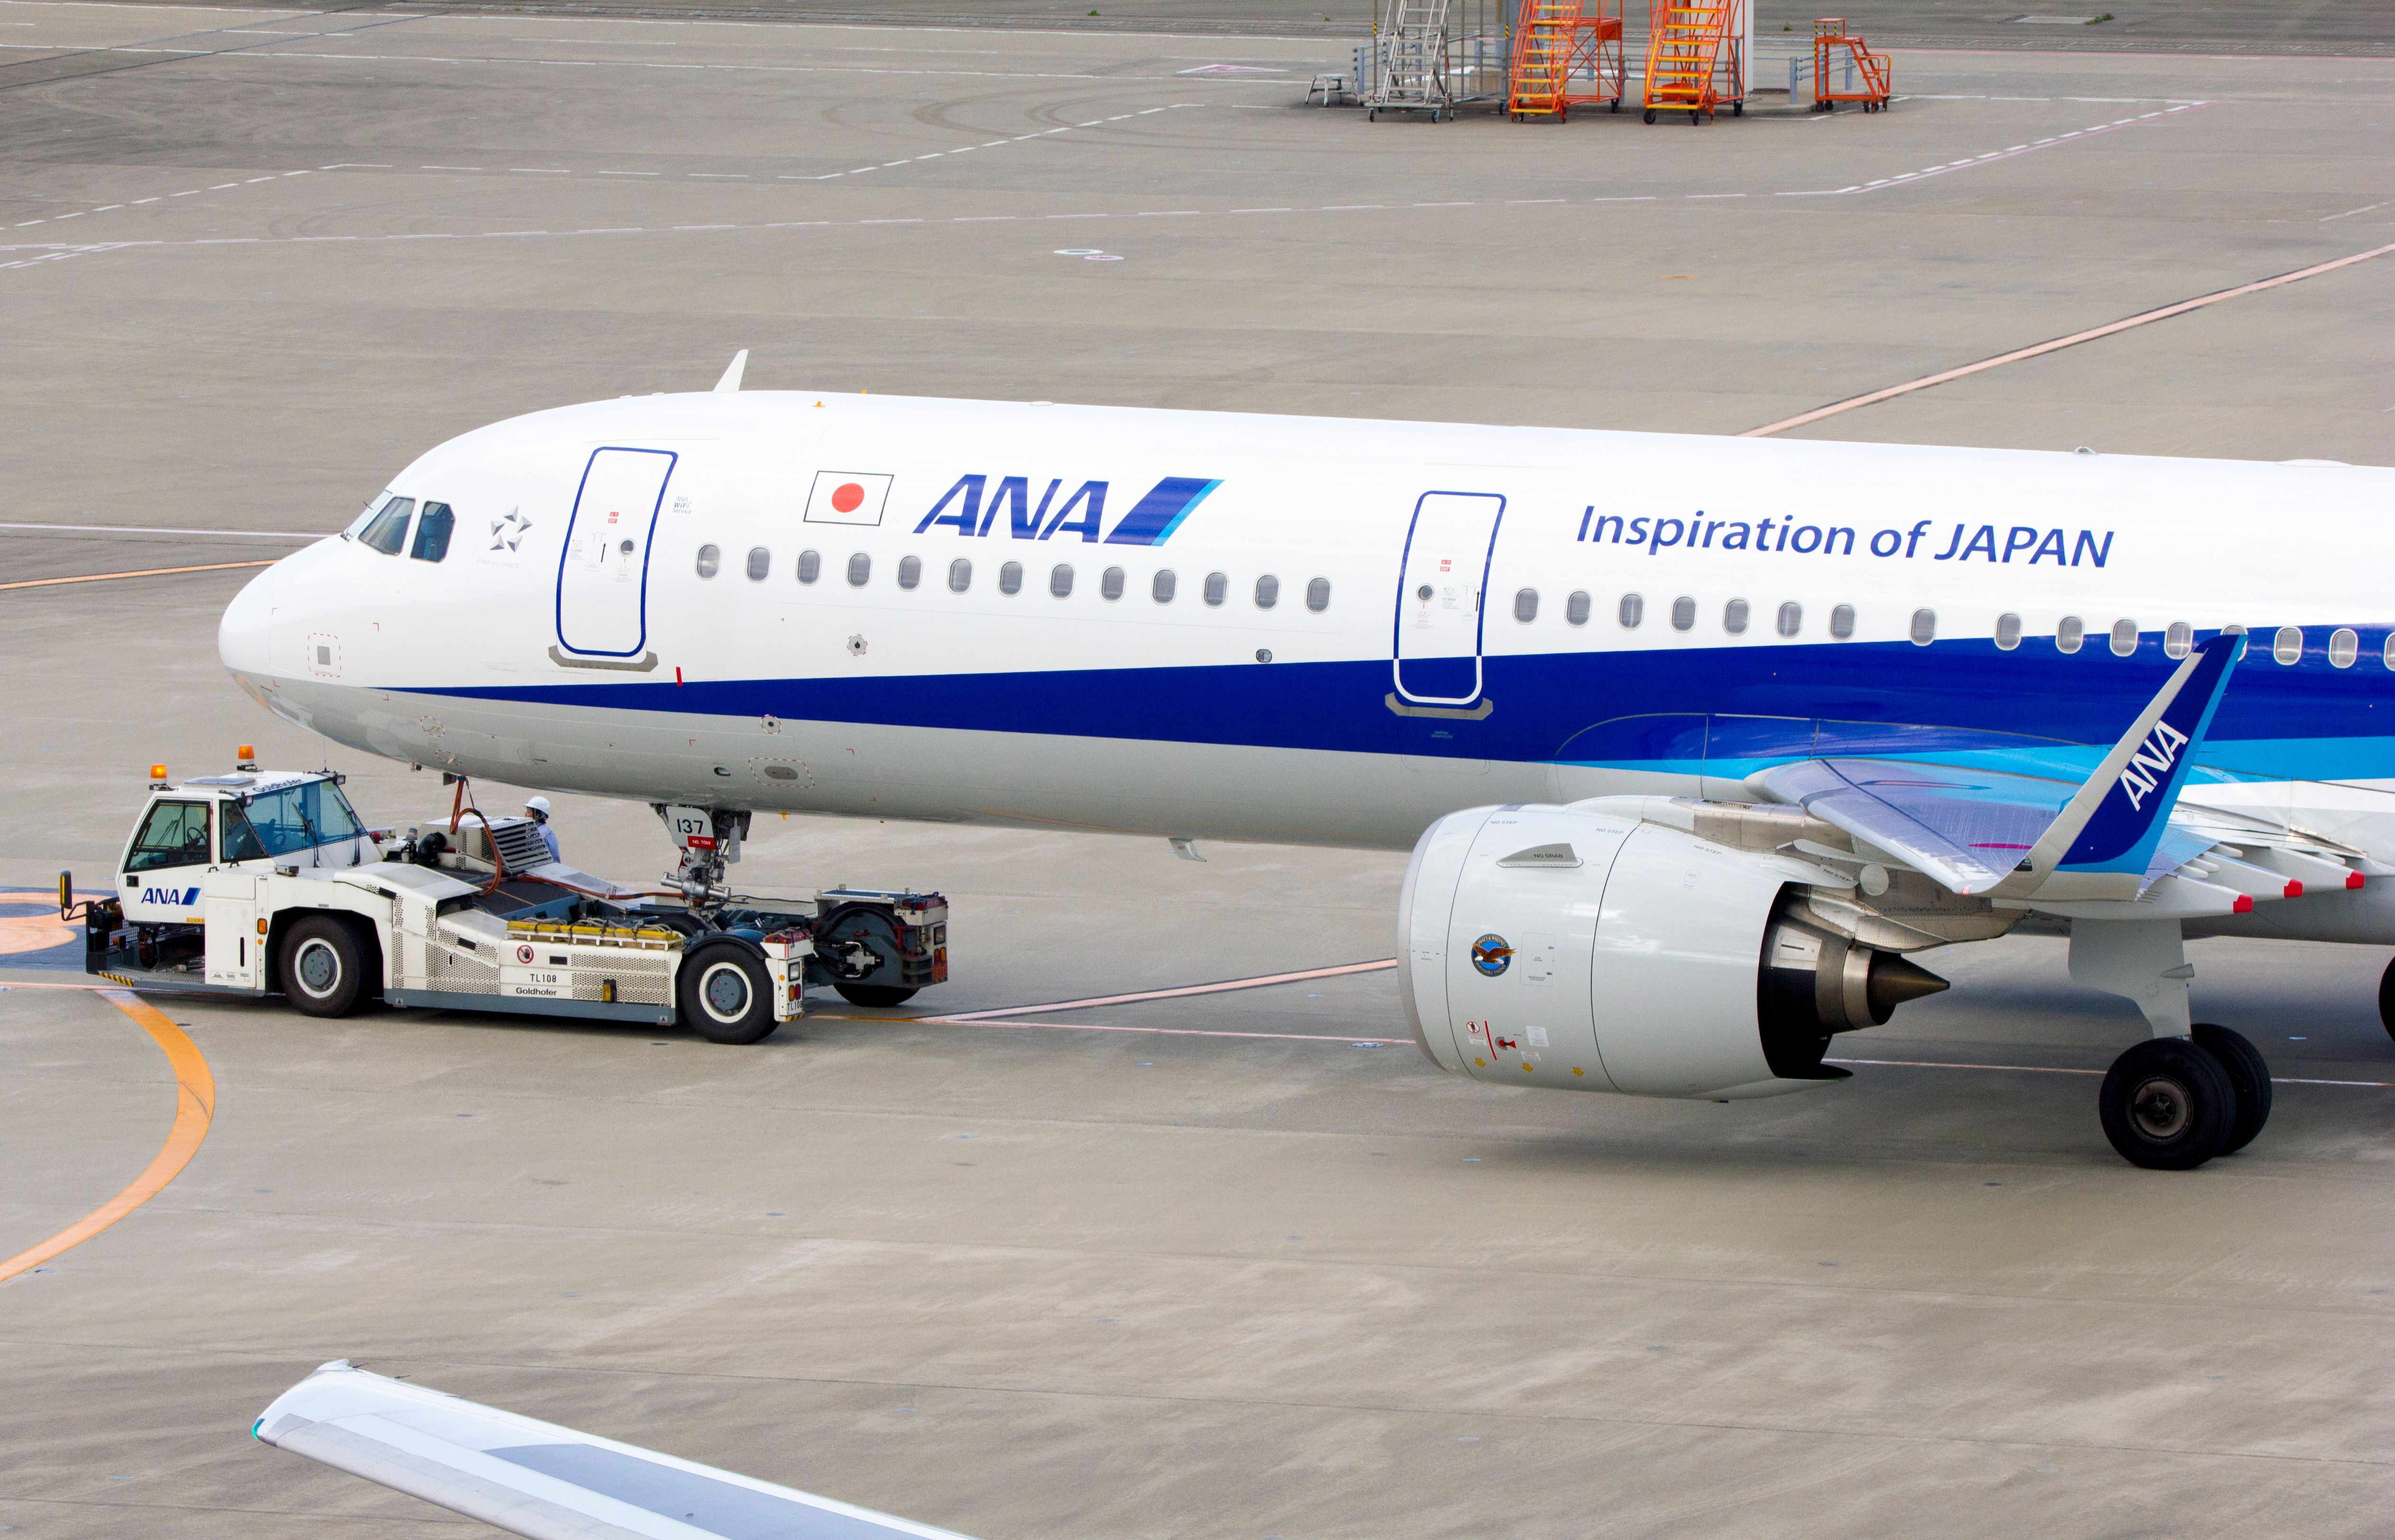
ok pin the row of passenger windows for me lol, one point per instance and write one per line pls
(2070, 632)
(1111, 582)
(385, 529)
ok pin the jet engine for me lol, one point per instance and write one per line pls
(1579, 949)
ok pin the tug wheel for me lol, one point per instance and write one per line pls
(322, 967)
(877, 997)
(725, 995)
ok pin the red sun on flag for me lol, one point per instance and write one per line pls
(848, 497)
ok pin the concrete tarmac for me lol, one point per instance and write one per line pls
(1046, 1281)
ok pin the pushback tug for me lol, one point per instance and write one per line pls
(259, 883)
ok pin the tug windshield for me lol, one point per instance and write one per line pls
(296, 818)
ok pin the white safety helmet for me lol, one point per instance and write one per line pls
(538, 807)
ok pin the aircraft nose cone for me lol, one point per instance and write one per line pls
(245, 636)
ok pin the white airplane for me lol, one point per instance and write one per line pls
(1695, 740)
(537, 1479)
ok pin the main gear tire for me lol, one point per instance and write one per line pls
(323, 965)
(2387, 999)
(2249, 1077)
(2168, 1105)
(725, 995)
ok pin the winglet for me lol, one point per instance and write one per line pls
(730, 380)
(2110, 829)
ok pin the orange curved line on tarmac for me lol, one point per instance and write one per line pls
(196, 1103)
(146, 572)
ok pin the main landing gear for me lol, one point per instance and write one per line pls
(2171, 1103)
(2193, 1090)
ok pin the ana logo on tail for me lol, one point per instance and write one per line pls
(2154, 757)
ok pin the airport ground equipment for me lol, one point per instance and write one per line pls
(261, 882)
(1831, 40)
(1558, 42)
(1696, 58)
(1411, 63)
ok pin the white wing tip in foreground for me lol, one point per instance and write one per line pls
(541, 1480)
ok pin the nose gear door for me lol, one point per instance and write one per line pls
(603, 577)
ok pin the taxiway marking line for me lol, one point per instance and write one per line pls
(1152, 1031)
(146, 529)
(1259, 982)
(2142, 318)
(146, 572)
(195, 1104)
(2056, 1069)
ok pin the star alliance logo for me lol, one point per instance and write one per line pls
(508, 533)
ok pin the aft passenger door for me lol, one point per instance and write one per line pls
(603, 577)
(1444, 577)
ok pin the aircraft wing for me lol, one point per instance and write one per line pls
(2109, 838)
(541, 1480)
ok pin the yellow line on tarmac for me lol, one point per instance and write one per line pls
(195, 1102)
(146, 572)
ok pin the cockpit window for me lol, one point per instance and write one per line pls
(387, 531)
(433, 533)
(297, 818)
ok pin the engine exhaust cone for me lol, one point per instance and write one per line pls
(1894, 981)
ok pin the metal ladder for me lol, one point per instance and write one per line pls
(1683, 52)
(1410, 73)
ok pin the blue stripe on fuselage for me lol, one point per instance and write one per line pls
(1729, 709)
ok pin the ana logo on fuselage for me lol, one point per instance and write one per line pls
(971, 508)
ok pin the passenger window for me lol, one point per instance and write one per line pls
(2344, 646)
(1842, 622)
(960, 576)
(1526, 605)
(710, 561)
(1684, 614)
(1792, 619)
(1060, 580)
(389, 530)
(2288, 646)
(910, 571)
(1161, 589)
(1110, 584)
(1317, 595)
(2068, 633)
(1734, 616)
(860, 570)
(1634, 609)
(1267, 591)
(175, 834)
(2124, 638)
(810, 565)
(2009, 632)
(1925, 626)
(1010, 577)
(761, 561)
(1218, 588)
(1576, 609)
(433, 533)
(2179, 640)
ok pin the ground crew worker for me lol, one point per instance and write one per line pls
(538, 807)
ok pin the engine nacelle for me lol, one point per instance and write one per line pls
(1581, 951)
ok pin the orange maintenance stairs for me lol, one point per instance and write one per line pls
(1558, 41)
(1829, 35)
(1696, 58)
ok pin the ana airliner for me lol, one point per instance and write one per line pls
(1698, 742)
